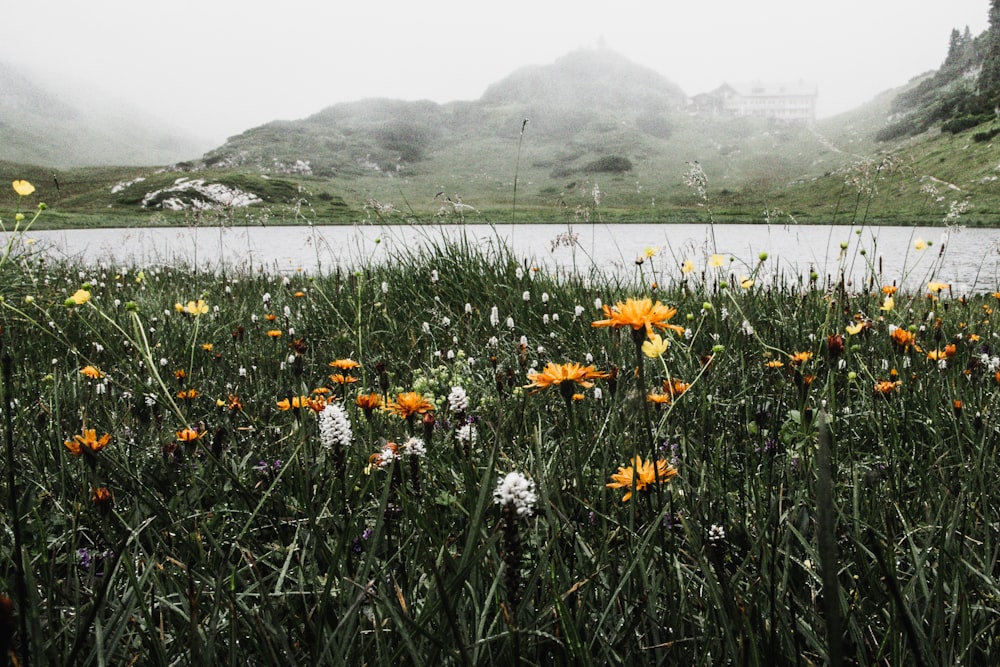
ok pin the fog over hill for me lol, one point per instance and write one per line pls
(69, 128)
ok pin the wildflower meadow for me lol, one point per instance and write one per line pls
(458, 456)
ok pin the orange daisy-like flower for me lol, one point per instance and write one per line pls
(775, 364)
(887, 386)
(368, 402)
(639, 314)
(640, 475)
(904, 338)
(188, 394)
(409, 403)
(675, 387)
(889, 290)
(233, 403)
(947, 353)
(188, 434)
(659, 399)
(293, 403)
(344, 364)
(87, 442)
(799, 358)
(341, 379)
(274, 333)
(555, 374)
(92, 372)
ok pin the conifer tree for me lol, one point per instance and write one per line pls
(989, 77)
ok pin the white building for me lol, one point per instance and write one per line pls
(780, 101)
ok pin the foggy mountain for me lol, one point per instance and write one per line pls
(68, 129)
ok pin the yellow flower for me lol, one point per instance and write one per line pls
(23, 188)
(651, 251)
(553, 375)
(855, 328)
(207, 347)
(746, 283)
(687, 267)
(919, 245)
(639, 314)
(715, 261)
(87, 443)
(936, 287)
(80, 297)
(640, 475)
(92, 372)
(655, 346)
(888, 304)
(194, 308)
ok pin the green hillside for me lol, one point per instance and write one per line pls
(591, 136)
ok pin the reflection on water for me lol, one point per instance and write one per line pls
(966, 258)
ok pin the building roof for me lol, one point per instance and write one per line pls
(765, 89)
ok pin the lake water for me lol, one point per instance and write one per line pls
(968, 259)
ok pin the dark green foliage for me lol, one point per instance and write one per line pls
(610, 164)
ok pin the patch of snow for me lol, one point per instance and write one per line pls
(209, 196)
(118, 187)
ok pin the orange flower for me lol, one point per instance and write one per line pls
(344, 364)
(87, 443)
(639, 314)
(293, 403)
(641, 475)
(675, 387)
(799, 358)
(92, 372)
(904, 338)
(233, 403)
(659, 399)
(189, 434)
(775, 364)
(274, 333)
(368, 402)
(886, 386)
(889, 290)
(408, 404)
(341, 379)
(188, 394)
(555, 374)
(101, 497)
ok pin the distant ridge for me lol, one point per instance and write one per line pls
(39, 126)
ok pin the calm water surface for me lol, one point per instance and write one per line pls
(966, 258)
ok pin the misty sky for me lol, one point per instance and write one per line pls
(217, 67)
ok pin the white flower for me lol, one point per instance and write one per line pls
(598, 303)
(510, 323)
(426, 327)
(468, 308)
(747, 328)
(334, 426)
(493, 341)
(526, 295)
(267, 298)
(494, 316)
(545, 297)
(458, 400)
(414, 447)
(598, 394)
(445, 322)
(716, 533)
(577, 310)
(517, 490)
(545, 319)
(467, 434)
(519, 273)
(434, 276)
(942, 364)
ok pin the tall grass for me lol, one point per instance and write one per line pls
(813, 517)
